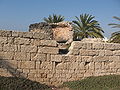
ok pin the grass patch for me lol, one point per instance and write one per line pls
(15, 83)
(108, 82)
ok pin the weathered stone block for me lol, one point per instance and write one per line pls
(38, 64)
(89, 46)
(1, 47)
(38, 35)
(86, 58)
(7, 55)
(116, 53)
(88, 52)
(73, 52)
(56, 58)
(78, 45)
(98, 65)
(78, 58)
(81, 66)
(48, 43)
(22, 56)
(28, 64)
(98, 46)
(15, 34)
(114, 58)
(39, 57)
(101, 52)
(91, 66)
(29, 48)
(5, 33)
(3, 40)
(112, 46)
(46, 65)
(48, 57)
(101, 58)
(27, 34)
(50, 50)
(108, 53)
(10, 48)
(22, 41)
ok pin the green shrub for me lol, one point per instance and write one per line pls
(15, 83)
(110, 82)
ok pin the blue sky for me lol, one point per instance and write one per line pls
(19, 14)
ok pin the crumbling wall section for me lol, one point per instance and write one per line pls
(36, 57)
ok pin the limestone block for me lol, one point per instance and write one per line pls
(48, 57)
(7, 55)
(10, 40)
(89, 46)
(29, 48)
(27, 34)
(78, 58)
(70, 58)
(26, 70)
(48, 43)
(88, 52)
(1, 47)
(38, 35)
(72, 65)
(28, 64)
(112, 46)
(100, 58)
(101, 52)
(56, 58)
(39, 57)
(98, 65)
(3, 40)
(4, 33)
(73, 52)
(81, 66)
(10, 48)
(15, 34)
(50, 76)
(86, 58)
(116, 53)
(38, 64)
(108, 53)
(114, 58)
(46, 65)
(91, 66)
(98, 46)
(22, 56)
(78, 45)
(22, 41)
(49, 50)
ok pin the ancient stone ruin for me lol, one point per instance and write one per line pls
(36, 55)
(62, 31)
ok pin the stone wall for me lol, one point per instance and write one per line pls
(36, 57)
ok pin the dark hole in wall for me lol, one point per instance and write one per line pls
(56, 63)
(86, 63)
(63, 51)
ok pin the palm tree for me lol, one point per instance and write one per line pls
(54, 18)
(86, 27)
(115, 37)
(115, 25)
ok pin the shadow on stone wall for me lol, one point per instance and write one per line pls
(4, 64)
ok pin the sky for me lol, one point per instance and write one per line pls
(19, 14)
